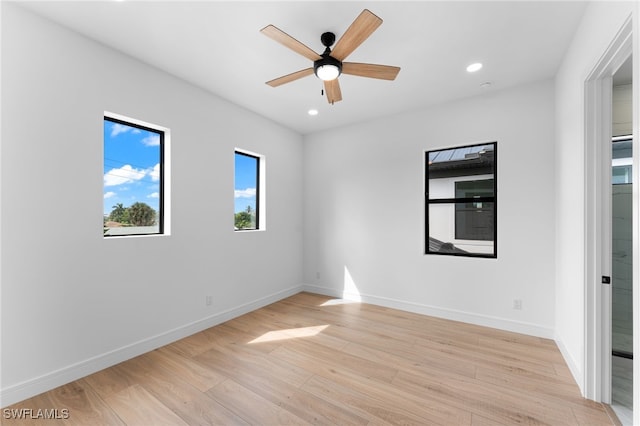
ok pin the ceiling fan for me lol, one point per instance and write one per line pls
(329, 65)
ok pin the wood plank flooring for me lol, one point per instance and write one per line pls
(309, 359)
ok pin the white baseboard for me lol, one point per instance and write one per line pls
(27, 389)
(571, 363)
(451, 314)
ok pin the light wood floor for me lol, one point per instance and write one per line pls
(308, 359)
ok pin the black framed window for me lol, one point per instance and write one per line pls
(247, 191)
(133, 180)
(461, 201)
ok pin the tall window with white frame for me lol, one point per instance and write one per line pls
(247, 191)
(133, 185)
(461, 201)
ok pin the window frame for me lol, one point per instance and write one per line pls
(459, 200)
(259, 192)
(163, 136)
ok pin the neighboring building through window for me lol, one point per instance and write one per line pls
(622, 160)
(133, 188)
(460, 202)
(474, 220)
(247, 191)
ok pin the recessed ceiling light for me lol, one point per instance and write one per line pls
(312, 112)
(474, 67)
(486, 85)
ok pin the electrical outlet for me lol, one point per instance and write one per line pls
(208, 300)
(517, 304)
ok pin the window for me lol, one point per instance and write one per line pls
(133, 184)
(247, 191)
(621, 160)
(460, 202)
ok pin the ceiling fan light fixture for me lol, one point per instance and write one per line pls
(327, 68)
(327, 72)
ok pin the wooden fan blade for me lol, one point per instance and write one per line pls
(363, 26)
(290, 77)
(332, 89)
(290, 42)
(384, 72)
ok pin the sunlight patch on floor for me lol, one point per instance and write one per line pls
(334, 302)
(291, 333)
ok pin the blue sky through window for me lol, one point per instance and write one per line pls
(246, 180)
(131, 166)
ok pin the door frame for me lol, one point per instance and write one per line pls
(597, 173)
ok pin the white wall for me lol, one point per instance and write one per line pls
(73, 302)
(599, 26)
(622, 113)
(364, 212)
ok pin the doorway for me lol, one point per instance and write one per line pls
(600, 246)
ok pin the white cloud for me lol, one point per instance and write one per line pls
(151, 140)
(125, 174)
(155, 173)
(109, 194)
(153, 195)
(118, 128)
(245, 193)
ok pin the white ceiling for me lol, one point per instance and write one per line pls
(217, 46)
